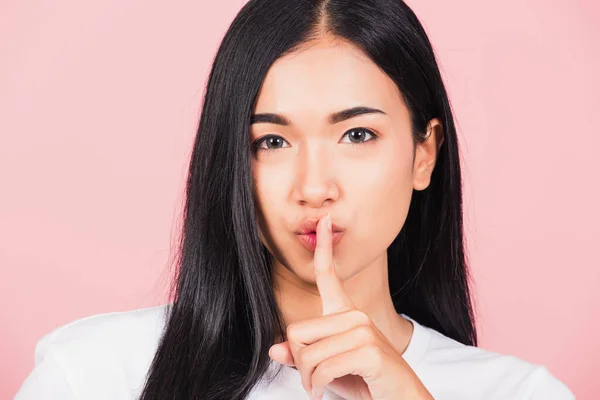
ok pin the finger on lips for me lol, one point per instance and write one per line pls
(316, 346)
(330, 287)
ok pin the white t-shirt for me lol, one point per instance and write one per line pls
(107, 356)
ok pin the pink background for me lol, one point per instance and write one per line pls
(99, 102)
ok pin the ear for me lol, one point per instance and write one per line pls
(426, 154)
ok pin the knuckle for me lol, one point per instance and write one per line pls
(365, 334)
(292, 331)
(361, 317)
(302, 357)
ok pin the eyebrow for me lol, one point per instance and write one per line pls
(277, 119)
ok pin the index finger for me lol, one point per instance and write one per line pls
(333, 296)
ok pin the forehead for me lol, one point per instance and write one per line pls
(324, 77)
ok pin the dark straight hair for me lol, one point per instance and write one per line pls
(224, 316)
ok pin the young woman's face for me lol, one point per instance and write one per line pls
(360, 170)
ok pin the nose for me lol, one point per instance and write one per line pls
(315, 185)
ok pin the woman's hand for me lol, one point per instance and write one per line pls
(344, 349)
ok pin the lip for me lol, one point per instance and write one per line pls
(309, 240)
(307, 235)
(310, 226)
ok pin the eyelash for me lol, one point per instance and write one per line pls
(256, 144)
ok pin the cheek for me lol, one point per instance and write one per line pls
(381, 195)
(269, 196)
(392, 187)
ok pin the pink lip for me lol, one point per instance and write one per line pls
(309, 225)
(309, 240)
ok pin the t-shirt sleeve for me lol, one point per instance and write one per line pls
(550, 388)
(49, 378)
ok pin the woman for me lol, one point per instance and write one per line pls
(322, 247)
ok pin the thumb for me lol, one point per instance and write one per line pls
(282, 354)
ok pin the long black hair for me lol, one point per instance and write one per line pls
(224, 316)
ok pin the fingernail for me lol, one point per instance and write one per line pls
(329, 222)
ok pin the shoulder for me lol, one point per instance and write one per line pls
(451, 370)
(85, 354)
(109, 329)
(119, 334)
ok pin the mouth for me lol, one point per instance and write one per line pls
(309, 239)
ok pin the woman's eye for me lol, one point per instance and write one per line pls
(270, 142)
(359, 135)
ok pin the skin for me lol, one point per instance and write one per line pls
(364, 182)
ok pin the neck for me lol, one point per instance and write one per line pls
(299, 299)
